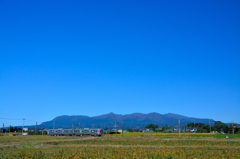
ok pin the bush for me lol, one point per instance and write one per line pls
(113, 132)
(38, 132)
(204, 131)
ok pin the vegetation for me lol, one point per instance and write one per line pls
(38, 133)
(218, 126)
(230, 136)
(131, 145)
(12, 129)
(148, 142)
(152, 126)
(165, 127)
(194, 125)
(113, 132)
(122, 152)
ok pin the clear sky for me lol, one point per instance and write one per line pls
(94, 57)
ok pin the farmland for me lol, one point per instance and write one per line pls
(131, 145)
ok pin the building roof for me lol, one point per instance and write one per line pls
(147, 129)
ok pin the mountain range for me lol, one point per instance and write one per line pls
(135, 120)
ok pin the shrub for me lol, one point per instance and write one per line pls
(204, 131)
(113, 132)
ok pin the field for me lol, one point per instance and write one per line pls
(131, 145)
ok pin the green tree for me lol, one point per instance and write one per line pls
(199, 125)
(151, 126)
(195, 125)
(11, 129)
(218, 126)
(217, 122)
(4, 130)
(205, 128)
(231, 126)
(238, 132)
(15, 129)
(190, 125)
(19, 130)
(165, 127)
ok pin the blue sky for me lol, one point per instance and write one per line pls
(95, 57)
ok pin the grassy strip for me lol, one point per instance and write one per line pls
(149, 142)
(11, 140)
(230, 136)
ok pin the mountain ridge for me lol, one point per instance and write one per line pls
(134, 120)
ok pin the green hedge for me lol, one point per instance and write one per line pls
(112, 132)
(38, 133)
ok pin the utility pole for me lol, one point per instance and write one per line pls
(179, 128)
(122, 128)
(116, 127)
(23, 125)
(79, 125)
(232, 128)
(210, 125)
(42, 129)
(9, 129)
(2, 129)
(72, 128)
(36, 129)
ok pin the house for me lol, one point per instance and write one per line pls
(147, 130)
(25, 131)
(214, 132)
(236, 126)
(135, 130)
(194, 130)
(175, 130)
(168, 131)
(158, 129)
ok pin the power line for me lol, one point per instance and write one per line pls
(32, 121)
(10, 119)
(20, 119)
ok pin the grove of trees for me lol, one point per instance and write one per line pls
(218, 126)
(12, 129)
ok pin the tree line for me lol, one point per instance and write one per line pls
(12, 129)
(202, 128)
(218, 126)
